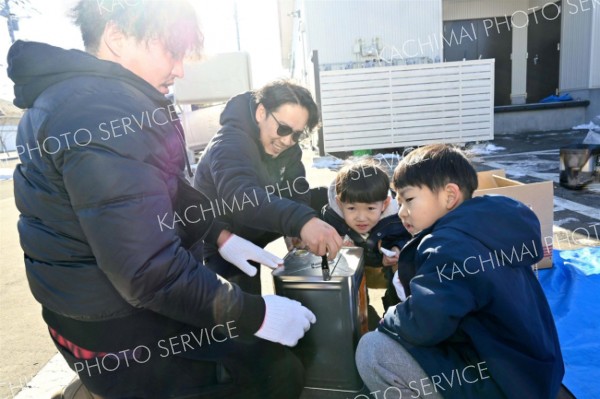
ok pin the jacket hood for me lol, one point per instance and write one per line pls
(391, 209)
(501, 224)
(239, 115)
(33, 67)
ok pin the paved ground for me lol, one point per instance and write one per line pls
(24, 344)
(535, 157)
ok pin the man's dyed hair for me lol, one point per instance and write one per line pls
(173, 21)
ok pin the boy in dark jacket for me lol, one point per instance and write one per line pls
(476, 323)
(361, 210)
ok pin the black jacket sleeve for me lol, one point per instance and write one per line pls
(233, 164)
(121, 195)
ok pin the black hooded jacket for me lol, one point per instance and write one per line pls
(260, 196)
(102, 156)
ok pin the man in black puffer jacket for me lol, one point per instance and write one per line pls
(104, 206)
(252, 172)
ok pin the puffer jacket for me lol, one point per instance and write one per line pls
(98, 190)
(260, 196)
(477, 319)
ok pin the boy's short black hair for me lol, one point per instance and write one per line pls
(362, 182)
(434, 166)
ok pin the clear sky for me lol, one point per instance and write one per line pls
(257, 21)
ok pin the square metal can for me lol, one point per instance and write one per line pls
(340, 305)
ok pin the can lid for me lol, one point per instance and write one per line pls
(305, 264)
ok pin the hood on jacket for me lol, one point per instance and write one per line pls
(33, 67)
(501, 224)
(239, 114)
(391, 209)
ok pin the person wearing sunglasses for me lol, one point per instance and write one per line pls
(253, 174)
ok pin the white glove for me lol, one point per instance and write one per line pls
(398, 286)
(238, 251)
(285, 321)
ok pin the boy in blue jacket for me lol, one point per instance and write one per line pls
(361, 209)
(475, 322)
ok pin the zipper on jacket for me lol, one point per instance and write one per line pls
(181, 137)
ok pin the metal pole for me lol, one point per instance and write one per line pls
(315, 61)
(237, 24)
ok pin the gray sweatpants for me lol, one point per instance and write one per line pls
(390, 371)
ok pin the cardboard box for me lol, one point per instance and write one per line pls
(538, 196)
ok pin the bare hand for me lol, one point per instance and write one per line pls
(294, 242)
(321, 238)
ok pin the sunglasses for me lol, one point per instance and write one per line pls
(285, 130)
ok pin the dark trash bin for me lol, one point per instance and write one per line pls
(579, 164)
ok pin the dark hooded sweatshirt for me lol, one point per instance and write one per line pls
(100, 179)
(260, 196)
(477, 320)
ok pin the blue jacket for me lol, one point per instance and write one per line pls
(476, 307)
(389, 230)
(259, 196)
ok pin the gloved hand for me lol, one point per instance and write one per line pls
(238, 251)
(398, 286)
(285, 321)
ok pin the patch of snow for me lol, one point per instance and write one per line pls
(514, 173)
(484, 149)
(590, 125)
(592, 137)
(6, 173)
(327, 162)
(563, 221)
(595, 187)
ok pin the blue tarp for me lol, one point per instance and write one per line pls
(572, 287)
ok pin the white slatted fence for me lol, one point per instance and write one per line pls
(409, 105)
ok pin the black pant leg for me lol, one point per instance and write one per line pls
(233, 369)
